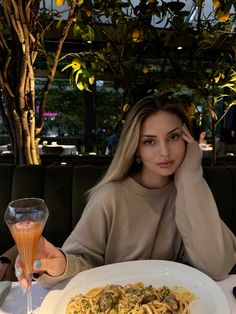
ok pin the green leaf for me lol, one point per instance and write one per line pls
(77, 76)
(80, 86)
(86, 86)
(59, 23)
(227, 85)
(79, 2)
(87, 34)
(66, 67)
(91, 80)
(76, 29)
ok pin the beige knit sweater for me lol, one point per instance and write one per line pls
(124, 221)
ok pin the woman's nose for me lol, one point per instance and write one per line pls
(164, 149)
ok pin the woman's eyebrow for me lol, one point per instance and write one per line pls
(175, 129)
(171, 131)
(147, 135)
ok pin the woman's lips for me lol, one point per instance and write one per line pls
(166, 164)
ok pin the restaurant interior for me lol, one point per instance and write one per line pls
(67, 83)
(127, 50)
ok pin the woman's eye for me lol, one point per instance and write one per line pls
(149, 142)
(174, 137)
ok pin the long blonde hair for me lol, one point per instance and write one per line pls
(124, 159)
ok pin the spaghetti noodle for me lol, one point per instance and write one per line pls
(131, 299)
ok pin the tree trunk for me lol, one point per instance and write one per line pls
(18, 54)
(22, 131)
(18, 51)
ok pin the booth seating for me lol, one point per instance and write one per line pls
(63, 189)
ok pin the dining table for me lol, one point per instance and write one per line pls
(206, 150)
(4, 149)
(15, 302)
(67, 149)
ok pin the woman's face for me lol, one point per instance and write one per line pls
(161, 146)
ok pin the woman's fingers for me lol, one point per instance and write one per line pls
(186, 135)
(19, 271)
(49, 259)
(24, 283)
(52, 266)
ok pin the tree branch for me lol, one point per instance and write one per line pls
(52, 72)
(233, 103)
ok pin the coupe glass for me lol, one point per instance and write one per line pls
(26, 218)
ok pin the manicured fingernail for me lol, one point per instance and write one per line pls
(37, 264)
(17, 272)
(22, 290)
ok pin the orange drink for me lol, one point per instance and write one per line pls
(26, 235)
(26, 218)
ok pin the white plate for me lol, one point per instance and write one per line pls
(210, 298)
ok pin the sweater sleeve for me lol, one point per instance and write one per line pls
(73, 267)
(209, 244)
(85, 247)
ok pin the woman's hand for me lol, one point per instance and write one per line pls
(193, 155)
(49, 260)
(186, 135)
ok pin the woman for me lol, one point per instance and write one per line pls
(153, 203)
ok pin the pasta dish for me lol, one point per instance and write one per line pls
(132, 299)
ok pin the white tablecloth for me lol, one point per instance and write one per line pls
(67, 149)
(4, 149)
(15, 302)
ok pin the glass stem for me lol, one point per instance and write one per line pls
(29, 295)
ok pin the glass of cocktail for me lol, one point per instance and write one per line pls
(26, 218)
